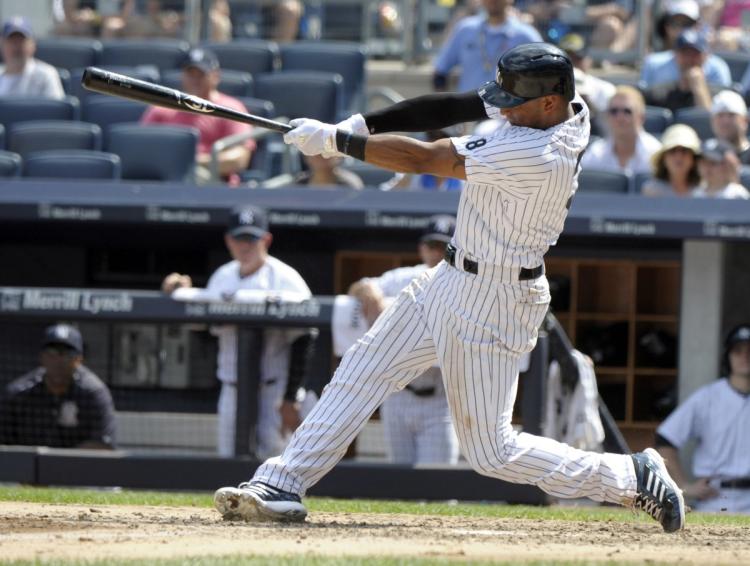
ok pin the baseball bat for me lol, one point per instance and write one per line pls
(107, 82)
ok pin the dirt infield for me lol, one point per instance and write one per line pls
(56, 532)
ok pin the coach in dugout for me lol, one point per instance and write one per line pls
(62, 403)
(717, 418)
(200, 77)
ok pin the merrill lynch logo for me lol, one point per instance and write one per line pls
(716, 229)
(599, 225)
(67, 300)
(374, 218)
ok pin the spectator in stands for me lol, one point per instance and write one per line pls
(717, 418)
(685, 76)
(21, 74)
(286, 352)
(71, 18)
(61, 403)
(628, 148)
(731, 24)
(200, 77)
(615, 28)
(675, 165)
(327, 172)
(417, 420)
(143, 19)
(595, 91)
(729, 122)
(719, 168)
(476, 44)
(677, 16)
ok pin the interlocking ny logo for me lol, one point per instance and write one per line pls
(443, 225)
(197, 104)
(246, 217)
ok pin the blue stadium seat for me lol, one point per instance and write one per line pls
(346, 59)
(64, 75)
(44, 135)
(108, 110)
(72, 164)
(158, 152)
(24, 109)
(162, 53)
(657, 120)
(147, 73)
(10, 164)
(2, 137)
(745, 176)
(303, 94)
(258, 106)
(599, 181)
(738, 62)
(249, 55)
(233, 83)
(639, 180)
(68, 52)
(697, 118)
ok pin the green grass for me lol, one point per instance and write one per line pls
(309, 561)
(320, 504)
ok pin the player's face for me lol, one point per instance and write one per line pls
(739, 359)
(249, 253)
(530, 114)
(431, 252)
(59, 363)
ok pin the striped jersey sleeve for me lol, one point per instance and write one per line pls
(520, 182)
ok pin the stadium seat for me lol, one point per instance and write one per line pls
(158, 152)
(44, 135)
(371, 175)
(745, 176)
(147, 73)
(64, 75)
(258, 106)
(639, 180)
(2, 137)
(24, 109)
(108, 110)
(599, 181)
(233, 83)
(72, 164)
(343, 20)
(162, 53)
(657, 120)
(697, 118)
(738, 62)
(10, 164)
(68, 52)
(248, 55)
(303, 94)
(346, 59)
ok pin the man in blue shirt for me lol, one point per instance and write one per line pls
(477, 43)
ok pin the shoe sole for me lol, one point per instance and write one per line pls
(239, 505)
(665, 475)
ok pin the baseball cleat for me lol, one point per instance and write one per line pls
(658, 494)
(256, 501)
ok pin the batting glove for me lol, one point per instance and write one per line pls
(355, 124)
(313, 137)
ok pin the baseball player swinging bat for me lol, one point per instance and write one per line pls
(106, 82)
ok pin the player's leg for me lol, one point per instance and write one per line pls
(437, 442)
(396, 414)
(395, 351)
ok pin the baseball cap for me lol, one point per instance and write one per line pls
(715, 149)
(248, 222)
(728, 101)
(687, 8)
(573, 43)
(439, 228)
(64, 334)
(738, 334)
(17, 24)
(690, 38)
(203, 59)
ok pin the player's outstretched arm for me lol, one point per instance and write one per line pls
(407, 155)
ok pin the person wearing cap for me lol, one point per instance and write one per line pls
(675, 165)
(286, 352)
(729, 122)
(200, 77)
(476, 42)
(715, 419)
(20, 73)
(685, 76)
(719, 168)
(675, 17)
(628, 148)
(417, 420)
(61, 403)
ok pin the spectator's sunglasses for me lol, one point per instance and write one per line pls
(615, 110)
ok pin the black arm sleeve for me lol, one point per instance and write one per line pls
(428, 112)
(659, 440)
(301, 352)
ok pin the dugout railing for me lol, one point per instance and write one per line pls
(164, 469)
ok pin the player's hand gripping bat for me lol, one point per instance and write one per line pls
(106, 82)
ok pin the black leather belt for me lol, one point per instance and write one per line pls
(471, 266)
(426, 392)
(741, 483)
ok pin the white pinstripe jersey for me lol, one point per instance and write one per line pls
(519, 185)
(274, 275)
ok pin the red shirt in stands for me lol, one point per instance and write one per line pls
(211, 128)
